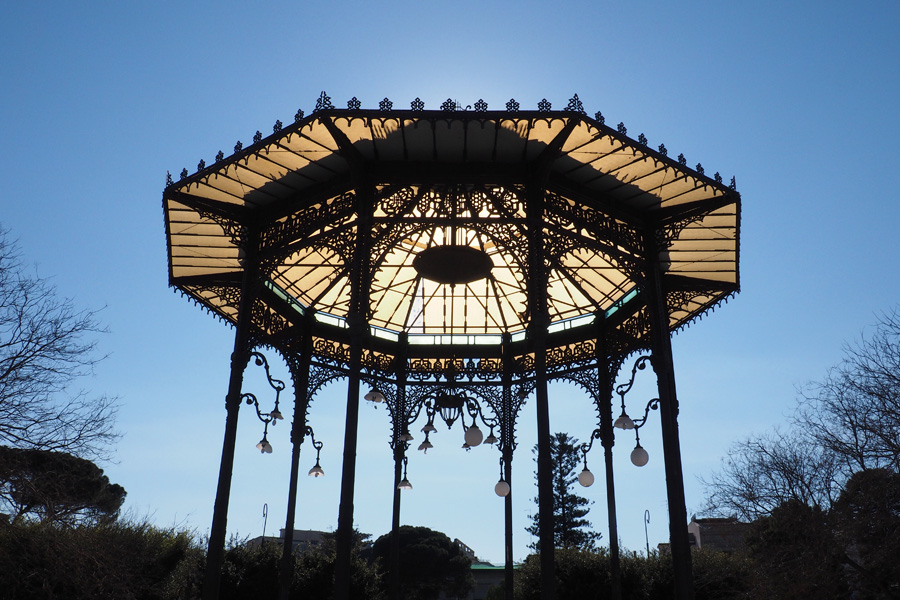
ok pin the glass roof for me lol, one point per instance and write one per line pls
(401, 182)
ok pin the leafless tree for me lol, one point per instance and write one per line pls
(762, 472)
(855, 411)
(847, 423)
(46, 346)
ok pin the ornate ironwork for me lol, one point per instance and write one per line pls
(354, 103)
(267, 418)
(385, 105)
(544, 105)
(512, 105)
(451, 402)
(481, 106)
(598, 231)
(575, 105)
(417, 104)
(322, 220)
(323, 103)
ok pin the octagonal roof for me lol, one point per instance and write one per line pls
(427, 179)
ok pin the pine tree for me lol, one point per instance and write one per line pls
(570, 528)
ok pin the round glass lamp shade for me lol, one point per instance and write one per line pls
(501, 489)
(639, 456)
(474, 436)
(586, 478)
(317, 471)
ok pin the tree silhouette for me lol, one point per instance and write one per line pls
(56, 487)
(46, 344)
(570, 528)
(430, 563)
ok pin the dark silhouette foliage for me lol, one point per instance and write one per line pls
(55, 487)
(586, 575)
(430, 562)
(866, 519)
(97, 562)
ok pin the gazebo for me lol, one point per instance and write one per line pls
(453, 261)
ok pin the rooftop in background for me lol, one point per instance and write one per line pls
(722, 534)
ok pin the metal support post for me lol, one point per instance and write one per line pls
(607, 440)
(300, 375)
(215, 551)
(356, 321)
(663, 365)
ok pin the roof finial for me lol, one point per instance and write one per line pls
(324, 102)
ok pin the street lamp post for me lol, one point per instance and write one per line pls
(646, 535)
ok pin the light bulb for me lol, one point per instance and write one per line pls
(474, 436)
(624, 421)
(586, 478)
(639, 456)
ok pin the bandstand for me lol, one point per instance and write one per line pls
(451, 262)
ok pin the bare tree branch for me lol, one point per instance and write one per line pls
(847, 423)
(46, 346)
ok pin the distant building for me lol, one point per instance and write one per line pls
(304, 540)
(719, 534)
(723, 535)
(486, 576)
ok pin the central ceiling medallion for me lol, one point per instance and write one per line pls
(453, 264)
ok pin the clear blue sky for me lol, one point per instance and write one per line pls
(797, 100)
